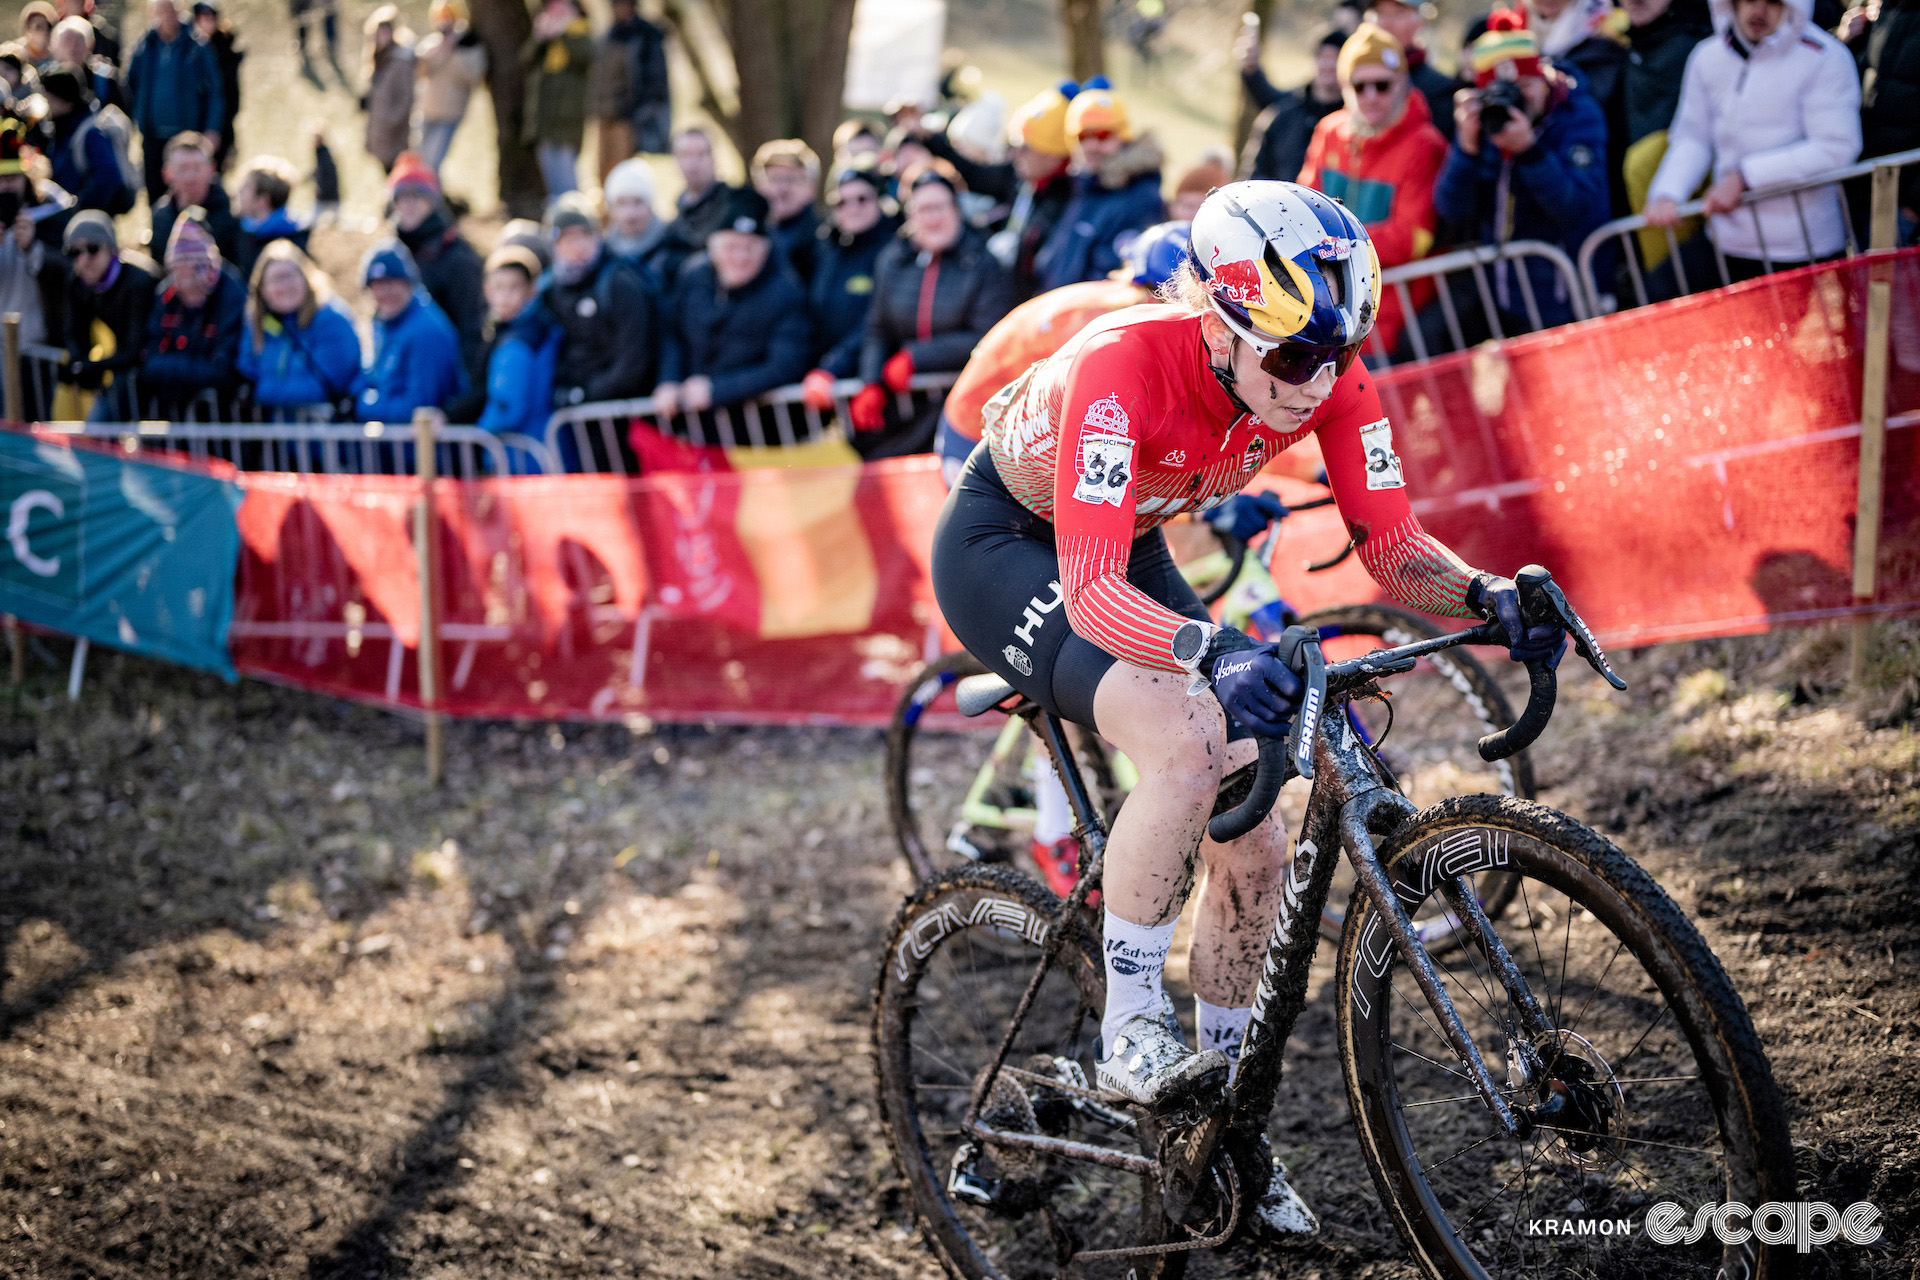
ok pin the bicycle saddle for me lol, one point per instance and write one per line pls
(978, 694)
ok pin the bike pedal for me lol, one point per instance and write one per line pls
(965, 1184)
(1200, 1098)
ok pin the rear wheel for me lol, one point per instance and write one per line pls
(1650, 1084)
(960, 795)
(961, 953)
(1425, 735)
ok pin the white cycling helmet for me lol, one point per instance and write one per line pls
(1290, 271)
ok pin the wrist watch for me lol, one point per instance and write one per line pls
(1190, 644)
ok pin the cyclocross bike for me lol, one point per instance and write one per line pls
(1580, 1055)
(952, 803)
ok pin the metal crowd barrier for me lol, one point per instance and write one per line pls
(1624, 229)
(592, 437)
(370, 448)
(1475, 262)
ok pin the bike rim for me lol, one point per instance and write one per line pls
(1652, 1120)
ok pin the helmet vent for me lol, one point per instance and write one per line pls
(1281, 275)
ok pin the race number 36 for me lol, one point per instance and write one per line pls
(1106, 468)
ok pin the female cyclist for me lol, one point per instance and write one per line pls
(1049, 565)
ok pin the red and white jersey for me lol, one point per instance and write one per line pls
(1125, 427)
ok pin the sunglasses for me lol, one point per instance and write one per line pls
(1297, 365)
(84, 251)
(1361, 88)
(1098, 135)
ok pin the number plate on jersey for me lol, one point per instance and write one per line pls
(1106, 468)
(1383, 464)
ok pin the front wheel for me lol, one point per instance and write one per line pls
(1649, 1085)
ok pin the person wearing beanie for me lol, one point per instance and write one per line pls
(737, 326)
(450, 62)
(1277, 145)
(85, 163)
(523, 344)
(76, 41)
(102, 42)
(1379, 156)
(266, 185)
(859, 225)
(449, 266)
(628, 91)
(787, 173)
(416, 353)
(1116, 191)
(191, 183)
(108, 305)
(607, 313)
(1539, 175)
(635, 234)
(1772, 100)
(1406, 21)
(1212, 171)
(193, 336)
(301, 351)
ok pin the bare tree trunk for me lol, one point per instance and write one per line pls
(504, 26)
(1243, 124)
(789, 59)
(1086, 39)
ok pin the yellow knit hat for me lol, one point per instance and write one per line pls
(1096, 109)
(1370, 46)
(1041, 124)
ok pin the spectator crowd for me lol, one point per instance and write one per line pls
(890, 258)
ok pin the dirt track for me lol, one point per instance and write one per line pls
(270, 1008)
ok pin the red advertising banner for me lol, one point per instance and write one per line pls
(1685, 470)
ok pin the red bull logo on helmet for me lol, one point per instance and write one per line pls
(1237, 282)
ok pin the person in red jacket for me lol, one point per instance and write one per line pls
(1380, 155)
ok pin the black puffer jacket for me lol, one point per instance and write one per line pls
(1889, 57)
(747, 341)
(610, 333)
(936, 308)
(1656, 63)
(451, 269)
(1277, 146)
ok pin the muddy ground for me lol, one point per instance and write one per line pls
(271, 1007)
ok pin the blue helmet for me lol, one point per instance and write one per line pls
(1156, 254)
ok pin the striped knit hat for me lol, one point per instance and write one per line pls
(1506, 51)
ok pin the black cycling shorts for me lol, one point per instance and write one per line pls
(996, 574)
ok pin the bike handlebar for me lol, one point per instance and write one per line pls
(1541, 602)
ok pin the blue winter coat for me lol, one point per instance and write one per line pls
(1557, 192)
(747, 341)
(315, 365)
(85, 167)
(416, 363)
(174, 87)
(1106, 211)
(520, 374)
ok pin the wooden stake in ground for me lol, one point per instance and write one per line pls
(426, 547)
(1873, 414)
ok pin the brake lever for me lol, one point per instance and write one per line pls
(1548, 603)
(1300, 650)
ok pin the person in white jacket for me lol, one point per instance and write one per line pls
(1768, 98)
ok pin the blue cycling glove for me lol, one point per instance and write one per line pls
(1499, 600)
(1252, 683)
(1245, 516)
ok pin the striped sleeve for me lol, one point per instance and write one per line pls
(1105, 430)
(1356, 440)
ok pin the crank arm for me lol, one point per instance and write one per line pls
(1379, 889)
(1065, 1147)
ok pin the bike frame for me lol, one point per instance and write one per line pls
(1350, 806)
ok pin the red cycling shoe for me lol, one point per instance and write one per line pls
(1059, 865)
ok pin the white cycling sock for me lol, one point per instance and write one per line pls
(1136, 957)
(1052, 815)
(1222, 1029)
